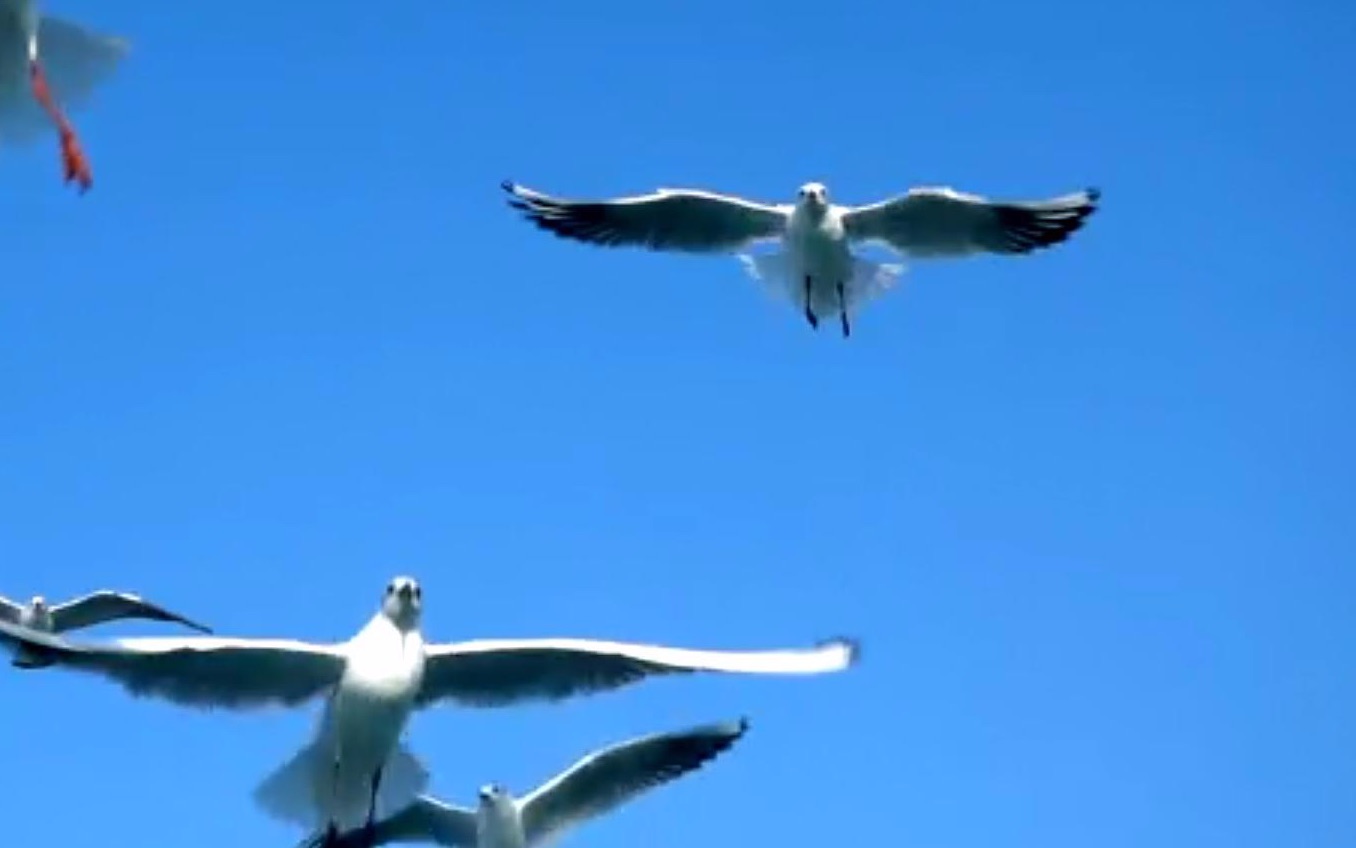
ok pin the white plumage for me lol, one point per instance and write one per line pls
(815, 266)
(354, 764)
(592, 787)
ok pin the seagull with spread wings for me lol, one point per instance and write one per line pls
(816, 266)
(87, 611)
(592, 787)
(39, 57)
(371, 684)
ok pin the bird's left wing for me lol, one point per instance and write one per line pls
(495, 672)
(668, 220)
(939, 222)
(606, 779)
(196, 671)
(104, 606)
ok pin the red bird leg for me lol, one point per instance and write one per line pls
(74, 164)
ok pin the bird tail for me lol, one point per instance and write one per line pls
(869, 279)
(299, 791)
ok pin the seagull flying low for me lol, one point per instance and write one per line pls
(816, 267)
(39, 54)
(592, 787)
(92, 609)
(372, 683)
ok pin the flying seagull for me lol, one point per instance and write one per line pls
(41, 57)
(372, 683)
(592, 787)
(92, 609)
(816, 266)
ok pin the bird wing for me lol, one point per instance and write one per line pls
(940, 222)
(10, 612)
(425, 819)
(196, 671)
(606, 779)
(669, 219)
(103, 606)
(76, 61)
(495, 672)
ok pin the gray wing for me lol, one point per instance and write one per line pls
(9, 611)
(104, 606)
(606, 779)
(425, 819)
(196, 671)
(940, 222)
(669, 219)
(76, 60)
(495, 672)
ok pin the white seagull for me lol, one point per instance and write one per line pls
(92, 609)
(816, 266)
(372, 683)
(592, 787)
(42, 57)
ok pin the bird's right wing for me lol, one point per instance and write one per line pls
(425, 819)
(669, 219)
(606, 779)
(196, 671)
(104, 606)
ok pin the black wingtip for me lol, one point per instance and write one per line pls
(1094, 194)
(509, 186)
(852, 645)
(743, 726)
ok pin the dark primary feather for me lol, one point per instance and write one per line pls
(1033, 226)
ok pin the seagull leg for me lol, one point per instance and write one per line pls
(810, 313)
(370, 828)
(75, 166)
(842, 311)
(331, 839)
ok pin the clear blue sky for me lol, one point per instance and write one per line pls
(1091, 511)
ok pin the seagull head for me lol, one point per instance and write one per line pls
(38, 604)
(813, 196)
(403, 603)
(495, 801)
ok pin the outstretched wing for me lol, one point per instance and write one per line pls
(667, 220)
(495, 672)
(104, 606)
(426, 819)
(940, 222)
(606, 779)
(196, 671)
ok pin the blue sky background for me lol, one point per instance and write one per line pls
(1090, 511)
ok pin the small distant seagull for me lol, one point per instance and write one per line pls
(92, 609)
(592, 787)
(373, 682)
(816, 266)
(41, 57)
